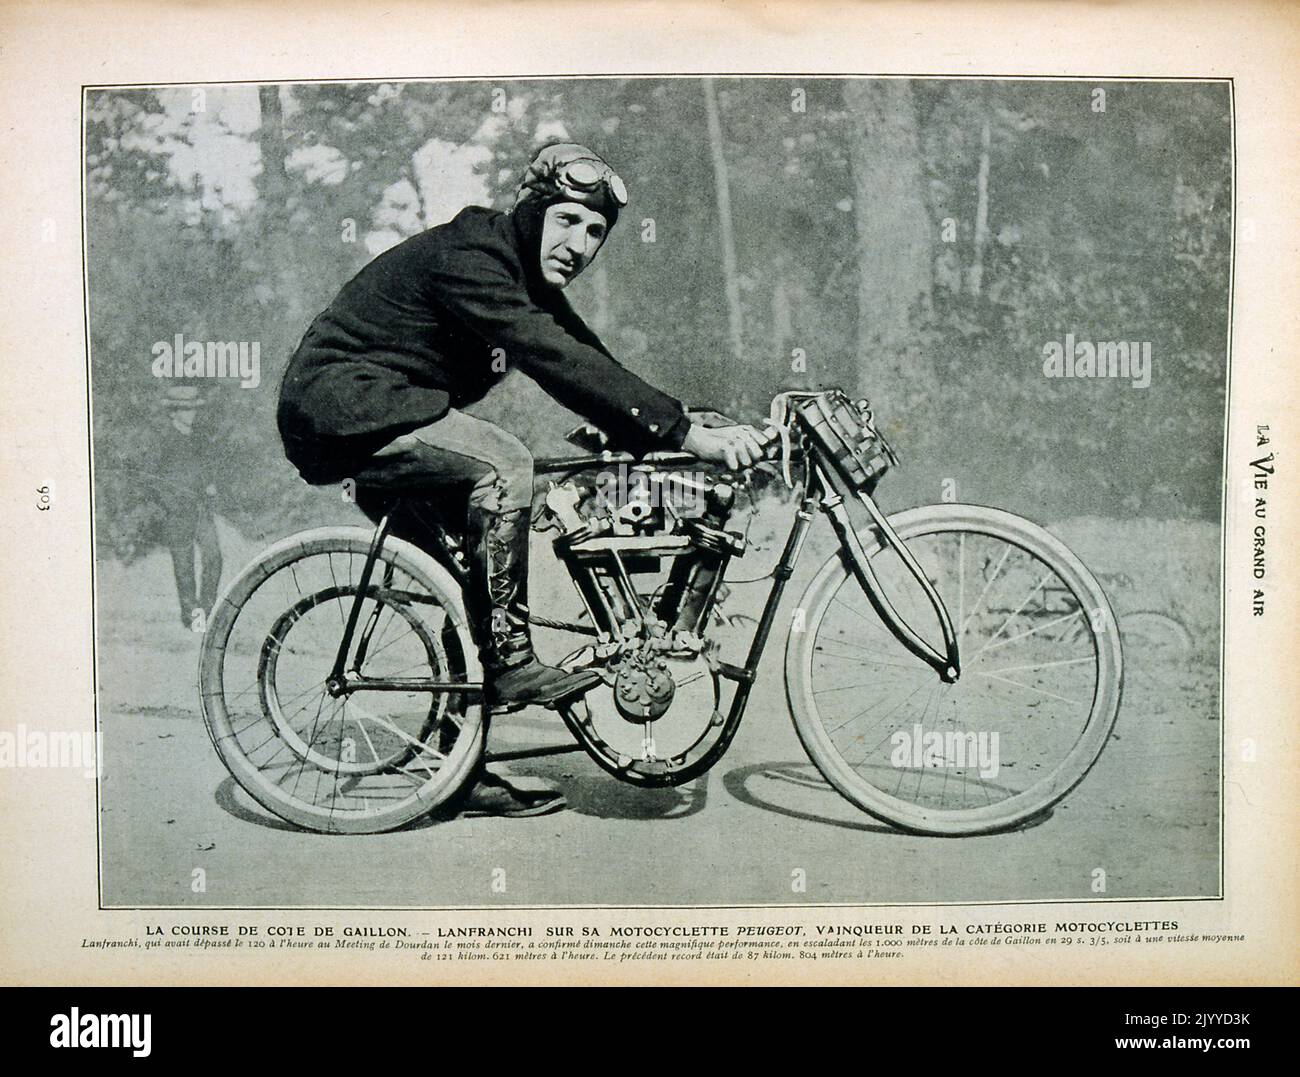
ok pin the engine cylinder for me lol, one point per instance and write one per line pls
(695, 576)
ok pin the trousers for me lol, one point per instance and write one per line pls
(476, 480)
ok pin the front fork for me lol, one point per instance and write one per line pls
(947, 664)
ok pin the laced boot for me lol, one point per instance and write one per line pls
(497, 606)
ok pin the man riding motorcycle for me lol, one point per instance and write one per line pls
(375, 391)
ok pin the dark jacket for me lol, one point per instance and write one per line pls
(417, 331)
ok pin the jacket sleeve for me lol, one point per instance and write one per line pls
(480, 291)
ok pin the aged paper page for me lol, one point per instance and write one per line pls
(1050, 742)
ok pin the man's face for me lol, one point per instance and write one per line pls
(571, 235)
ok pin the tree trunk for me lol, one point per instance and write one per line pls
(893, 233)
(270, 139)
(273, 187)
(976, 278)
(726, 232)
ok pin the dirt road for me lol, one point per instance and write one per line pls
(761, 828)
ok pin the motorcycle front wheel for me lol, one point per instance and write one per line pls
(1037, 696)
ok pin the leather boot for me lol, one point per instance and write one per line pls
(496, 601)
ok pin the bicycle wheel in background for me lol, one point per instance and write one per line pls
(1030, 712)
(1158, 636)
(362, 762)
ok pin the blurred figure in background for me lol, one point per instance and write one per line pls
(186, 496)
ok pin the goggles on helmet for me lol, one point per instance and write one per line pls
(586, 175)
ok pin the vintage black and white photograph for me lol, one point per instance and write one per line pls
(658, 491)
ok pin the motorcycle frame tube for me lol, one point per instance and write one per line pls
(744, 676)
(595, 598)
(354, 614)
(353, 681)
(562, 465)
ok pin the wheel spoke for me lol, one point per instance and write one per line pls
(310, 742)
(984, 593)
(961, 584)
(374, 752)
(1039, 665)
(883, 659)
(1029, 632)
(1016, 613)
(874, 624)
(872, 683)
(867, 710)
(1031, 688)
(342, 619)
(1004, 740)
(417, 744)
(302, 761)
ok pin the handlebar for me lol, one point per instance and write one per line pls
(774, 439)
(770, 439)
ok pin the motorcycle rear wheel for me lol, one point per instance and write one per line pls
(367, 761)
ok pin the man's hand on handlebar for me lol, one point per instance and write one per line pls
(736, 446)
